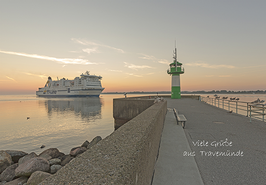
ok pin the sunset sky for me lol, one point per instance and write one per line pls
(222, 44)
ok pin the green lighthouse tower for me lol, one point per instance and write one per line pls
(175, 71)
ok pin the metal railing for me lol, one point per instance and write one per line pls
(252, 110)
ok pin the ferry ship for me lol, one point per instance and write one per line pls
(85, 85)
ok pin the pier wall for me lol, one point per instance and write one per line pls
(127, 156)
(125, 109)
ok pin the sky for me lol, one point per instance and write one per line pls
(221, 43)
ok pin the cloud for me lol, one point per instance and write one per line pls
(164, 62)
(59, 60)
(113, 70)
(205, 65)
(149, 57)
(11, 78)
(88, 43)
(91, 50)
(131, 74)
(41, 76)
(135, 67)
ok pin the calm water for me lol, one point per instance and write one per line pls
(61, 123)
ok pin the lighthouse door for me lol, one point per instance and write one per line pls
(68, 90)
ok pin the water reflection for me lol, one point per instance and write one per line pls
(61, 123)
(87, 108)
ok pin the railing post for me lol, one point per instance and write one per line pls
(236, 106)
(250, 112)
(223, 104)
(263, 113)
(212, 101)
(218, 102)
(247, 109)
(228, 105)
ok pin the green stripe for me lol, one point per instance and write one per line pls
(176, 92)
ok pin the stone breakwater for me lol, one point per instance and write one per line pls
(18, 167)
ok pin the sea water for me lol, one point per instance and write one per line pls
(27, 121)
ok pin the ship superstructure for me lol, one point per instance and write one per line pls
(85, 85)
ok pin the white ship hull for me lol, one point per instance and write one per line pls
(87, 85)
(65, 93)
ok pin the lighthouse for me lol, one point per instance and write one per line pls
(175, 70)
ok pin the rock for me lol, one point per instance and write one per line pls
(94, 141)
(85, 144)
(16, 155)
(37, 177)
(66, 159)
(54, 161)
(27, 157)
(53, 152)
(5, 160)
(77, 150)
(32, 165)
(9, 173)
(55, 168)
(46, 156)
(18, 181)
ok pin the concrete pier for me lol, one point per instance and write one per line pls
(172, 167)
(211, 131)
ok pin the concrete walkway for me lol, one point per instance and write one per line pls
(172, 168)
(211, 131)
